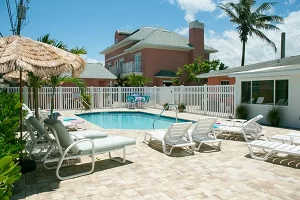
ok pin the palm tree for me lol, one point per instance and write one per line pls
(137, 80)
(55, 81)
(250, 19)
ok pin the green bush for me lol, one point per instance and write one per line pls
(273, 116)
(11, 146)
(87, 101)
(241, 111)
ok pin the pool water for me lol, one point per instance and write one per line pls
(129, 120)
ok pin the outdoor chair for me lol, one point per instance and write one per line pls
(176, 136)
(70, 150)
(291, 138)
(272, 148)
(40, 143)
(203, 132)
(249, 128)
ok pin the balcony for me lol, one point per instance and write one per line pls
(126, 69)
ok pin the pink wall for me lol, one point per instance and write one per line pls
(217, 80)
(95, 82)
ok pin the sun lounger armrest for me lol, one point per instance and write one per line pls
(74, 137)
(77, 142)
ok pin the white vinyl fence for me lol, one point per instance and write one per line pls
(206, 100)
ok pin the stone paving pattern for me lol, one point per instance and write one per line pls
(150, 174)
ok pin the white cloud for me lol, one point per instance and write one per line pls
(91, 60)
(230, 47)
(289, 2)
(192, 7)
(183, 31)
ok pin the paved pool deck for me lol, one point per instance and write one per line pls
(150, 174)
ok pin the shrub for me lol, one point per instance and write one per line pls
(241, 111)
(166, 106)
(273, 116)
(87, 101)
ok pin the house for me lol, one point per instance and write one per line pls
(155, 52)
(96, 75)
(264, 85)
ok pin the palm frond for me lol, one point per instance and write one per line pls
(267, 26)
(60, 44)
(78, 51)
(271, 18)
(46, 39)
(227, 9)
(262, 36)
(265, 7)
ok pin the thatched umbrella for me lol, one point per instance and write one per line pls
(43, 60)
(14, 76)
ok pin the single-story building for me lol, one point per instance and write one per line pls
(264, 85)
(96, 75)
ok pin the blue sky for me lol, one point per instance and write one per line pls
(93, 23)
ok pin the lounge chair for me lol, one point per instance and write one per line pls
(176, 136)
(203, 132)
(273, 147)
(291, 138)
(250, 128)
(44, 142)
(71, 150)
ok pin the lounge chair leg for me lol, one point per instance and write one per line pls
(123, 159)
(145, 139)
(257, 157)
(198, 148)
(165, 149)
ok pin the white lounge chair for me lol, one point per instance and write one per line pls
(71, 150)
(273, 148)
(291, 138)
(250, 128)
(42, 143)
(176, 136)
(203, 132)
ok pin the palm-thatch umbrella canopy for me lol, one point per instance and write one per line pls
(43, 60)
(14, 76)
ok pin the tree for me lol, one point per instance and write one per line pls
(197, 67)
(137, 80)
(250, 20)
(55, 81)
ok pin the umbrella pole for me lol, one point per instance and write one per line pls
(21, 111)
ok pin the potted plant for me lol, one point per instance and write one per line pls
(241, 111)
(166, 107)
(273, 116)
(181, 107)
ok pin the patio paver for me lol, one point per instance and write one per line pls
(150, 174)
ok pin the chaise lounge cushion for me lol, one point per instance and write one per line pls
(91, 134)
(105, 144)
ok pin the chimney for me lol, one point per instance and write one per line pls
(196, 39)
(282, 45)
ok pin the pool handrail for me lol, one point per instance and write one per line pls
(164, 111)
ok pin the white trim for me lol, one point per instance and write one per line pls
(115, 56)
(157, 46)
(163, 77)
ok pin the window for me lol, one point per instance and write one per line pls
(116, 63)
(270, 92)
(121, 64)
(246, 92)
(137, 61)
(108, 65)
(282, 92)
(224, 82)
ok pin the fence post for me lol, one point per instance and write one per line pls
(60, 95)
(92, 96)
(205, 98)
(119, 97)
(181, 94)
(154, 96)
(172, 90)
(25, 95)
(101, 97)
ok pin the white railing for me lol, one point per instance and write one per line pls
(206, 100)
(128, 67)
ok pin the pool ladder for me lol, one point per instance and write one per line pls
(164, 111)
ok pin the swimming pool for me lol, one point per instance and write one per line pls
(129, 120)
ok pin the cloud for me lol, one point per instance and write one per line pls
(289, 2)
(192, 7)
(182, 31)
(230, 48)
(91, 60)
